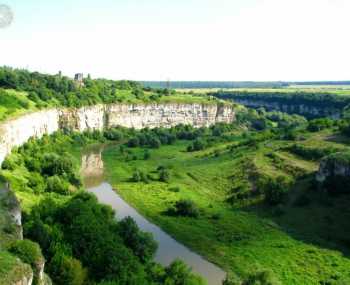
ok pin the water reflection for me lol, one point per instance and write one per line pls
(168, 248)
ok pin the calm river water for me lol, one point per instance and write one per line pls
(168, 248)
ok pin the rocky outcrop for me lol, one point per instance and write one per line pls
(25, 278)
(335, 165)
(17, 131)
(334, 173)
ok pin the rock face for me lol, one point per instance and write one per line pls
(337, 165)
(26, 279)
(17, 131)
(300, 109)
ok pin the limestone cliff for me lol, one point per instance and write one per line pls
(17, 131)
(300, 109)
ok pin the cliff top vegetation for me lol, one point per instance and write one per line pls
(22, 91)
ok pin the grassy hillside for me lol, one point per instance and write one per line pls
(302, 240)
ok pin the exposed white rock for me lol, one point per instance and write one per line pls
(15, 132)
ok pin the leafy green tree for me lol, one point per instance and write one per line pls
(142, 244)
(178, 273)
(154, 142)
(66, 270)
(57, 185)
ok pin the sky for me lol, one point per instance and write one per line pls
(224, 40)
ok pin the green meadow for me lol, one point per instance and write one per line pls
(301, 241)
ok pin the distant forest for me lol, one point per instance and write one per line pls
(233, 84)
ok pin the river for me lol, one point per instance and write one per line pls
(168, 248)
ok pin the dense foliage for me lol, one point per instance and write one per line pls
(47, 89)
(81, 240)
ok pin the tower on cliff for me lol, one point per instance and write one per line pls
(78, 78)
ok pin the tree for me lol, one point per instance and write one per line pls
(57, 185)
(142, 244)
(178, 273)
(134, 142)
(186, 208)
(154, 142)
(164, 175)
(66, 270)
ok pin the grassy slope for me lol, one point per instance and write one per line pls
(296, 246)
(15, 104)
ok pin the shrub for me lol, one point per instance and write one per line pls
(198, 144)
(29, 252)
(139, 176)
(154, 142)
(113, 135)
(164, 175)
(53, 164)
(275, 189)
(179, 273)
(134, 142)
(142, 244)
(66, 270)
(9, 164)
(174, 189)
(261, 278)
(57, 185)
(186, 208)
(36, 182)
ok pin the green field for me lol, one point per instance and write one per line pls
(333, 89)
(299, 244)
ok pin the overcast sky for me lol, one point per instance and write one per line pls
(181, 39)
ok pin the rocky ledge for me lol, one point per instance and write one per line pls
(15, 132)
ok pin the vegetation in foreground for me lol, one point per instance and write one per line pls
(79, 238)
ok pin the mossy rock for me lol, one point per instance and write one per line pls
(13, 270)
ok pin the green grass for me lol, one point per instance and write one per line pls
(305, 245)
(14, 103)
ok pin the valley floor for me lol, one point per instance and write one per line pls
(300, 244)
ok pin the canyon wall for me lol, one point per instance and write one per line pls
(300, 109)
(15, 132)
